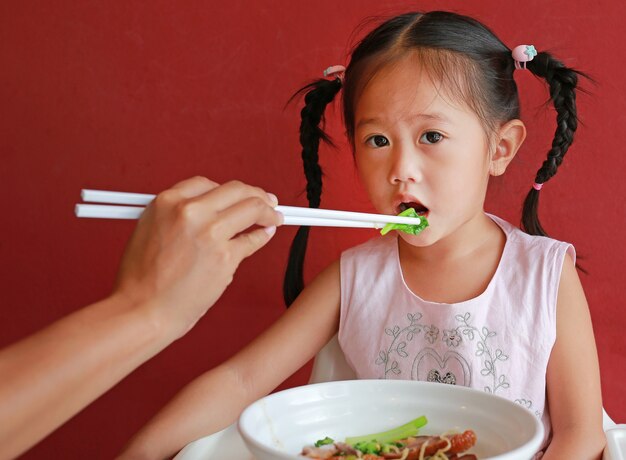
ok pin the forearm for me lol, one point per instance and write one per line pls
(50, 376)
(207, 405)
(578, 445)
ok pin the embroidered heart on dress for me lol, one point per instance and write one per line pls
(430, 366)
(435, 376)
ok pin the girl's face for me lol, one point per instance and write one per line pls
(415, 147)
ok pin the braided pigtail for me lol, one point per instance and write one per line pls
(317, 96)
(562, 82)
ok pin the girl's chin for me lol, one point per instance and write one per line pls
(420, 240)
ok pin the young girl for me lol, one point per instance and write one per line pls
(431, 110)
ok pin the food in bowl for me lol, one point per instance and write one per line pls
(277, 426)
(400, 443)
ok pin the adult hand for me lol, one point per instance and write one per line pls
(179, 260)
(188, 244)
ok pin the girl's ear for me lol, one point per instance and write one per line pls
(510, 138)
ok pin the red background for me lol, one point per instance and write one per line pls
(136, 96)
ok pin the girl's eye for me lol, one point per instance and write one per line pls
(377, 141)
(431, 137)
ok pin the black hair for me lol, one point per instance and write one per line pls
(562, 82)
(318, 95)
(471, 63)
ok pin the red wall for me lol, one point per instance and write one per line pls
(136, 96)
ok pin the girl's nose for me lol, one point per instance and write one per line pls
(404, 166)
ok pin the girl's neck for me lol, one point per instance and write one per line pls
(471, 237)
(457, 268)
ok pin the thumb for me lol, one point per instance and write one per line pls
(247, 244)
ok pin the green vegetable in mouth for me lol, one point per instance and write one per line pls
(406, 228)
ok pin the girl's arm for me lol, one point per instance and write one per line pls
(215, 399)
(573, 377)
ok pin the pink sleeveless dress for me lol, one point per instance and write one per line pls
(498, 342)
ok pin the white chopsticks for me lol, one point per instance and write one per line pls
(293, 215)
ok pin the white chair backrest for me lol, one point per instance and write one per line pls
(330, 364)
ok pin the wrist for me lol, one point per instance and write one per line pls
(148, 317)
(168, 316)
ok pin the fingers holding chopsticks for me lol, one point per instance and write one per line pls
(188, 244)
(238, 206)
(235, 191)
(253, 210)
(194, 186)
(248, 206)
(246, 213)
(225, 210)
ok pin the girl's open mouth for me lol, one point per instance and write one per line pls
(420, 209)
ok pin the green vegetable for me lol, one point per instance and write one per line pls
(406, 228)
(367, 447)
(374, 447)
(323, 442)
(404, 431)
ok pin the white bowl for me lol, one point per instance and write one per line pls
(278, 426)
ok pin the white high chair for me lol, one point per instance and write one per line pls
(330, 365)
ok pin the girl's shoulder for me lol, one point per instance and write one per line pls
(523, 245)
(375, 256)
